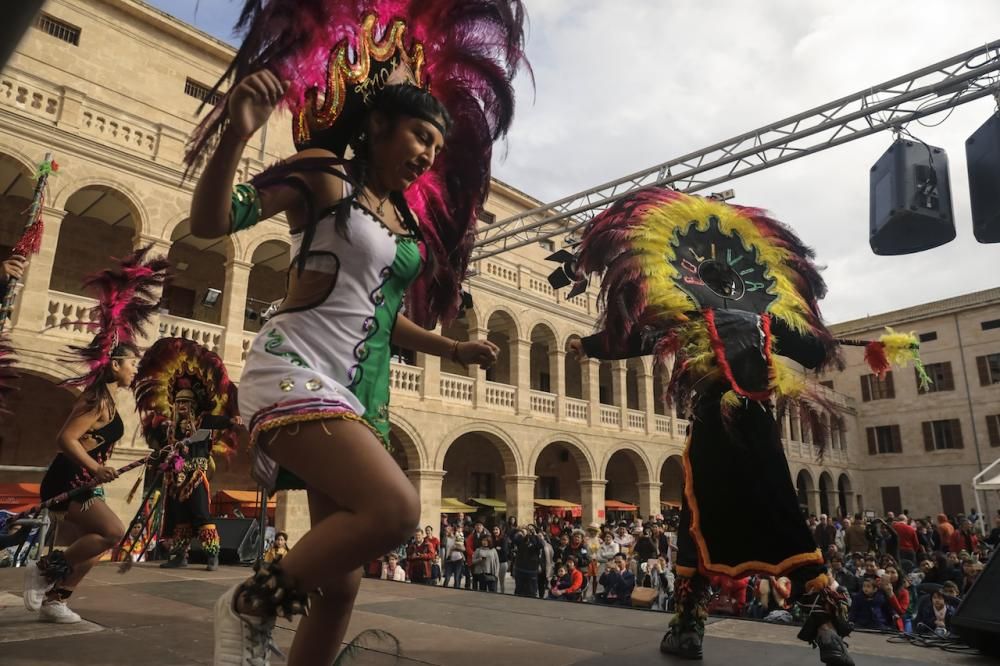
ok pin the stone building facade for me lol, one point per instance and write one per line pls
(111, 87)
(919, 449)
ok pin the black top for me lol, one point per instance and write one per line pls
(65, 474)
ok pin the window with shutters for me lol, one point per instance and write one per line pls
(993, 428)
(928, 337)
(58, 29)
(884, 439)
(942, 435)
(990, 325)
(483, 484)
(200, 91)
(485, 216)
(989, 369)
(951, 500)
(941, 378)
(873, 388)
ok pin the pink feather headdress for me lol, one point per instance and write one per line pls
(126, 299)
(336, 54)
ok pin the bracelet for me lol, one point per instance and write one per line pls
(454, 352)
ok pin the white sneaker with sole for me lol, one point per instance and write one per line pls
(240, 640)
(59, 612)
(35, 587)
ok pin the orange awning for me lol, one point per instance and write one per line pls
(615, 505)
(16, 495)
(242, 497)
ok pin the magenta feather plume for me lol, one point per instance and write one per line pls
(127, 296)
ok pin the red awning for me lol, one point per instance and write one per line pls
(226, 501)
(615, 505)
(16, 495)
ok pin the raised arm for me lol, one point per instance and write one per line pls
(409, 335)
(215, 209)
(804, 349)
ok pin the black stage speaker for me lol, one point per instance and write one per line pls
(982, 156)
(977, 619)
(910, 199)
(239, 540)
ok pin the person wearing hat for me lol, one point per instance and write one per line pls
(592, 541)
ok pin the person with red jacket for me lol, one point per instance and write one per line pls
(909, 544)
(945, 530)
(419, 559)
(963, 539)
(896, 593)
(575, 577)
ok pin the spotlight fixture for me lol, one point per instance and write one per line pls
(211, 297)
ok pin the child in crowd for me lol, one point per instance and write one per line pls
(561, 582)
(869, 608)
(936, 615)
(391, 569)
(278, 549)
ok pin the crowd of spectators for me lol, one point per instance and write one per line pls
(901, 573)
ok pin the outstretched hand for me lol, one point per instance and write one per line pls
(575, 348)
(479, 352)
(253, 100)
(13, 268)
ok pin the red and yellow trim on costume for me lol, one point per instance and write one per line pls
(705, 564)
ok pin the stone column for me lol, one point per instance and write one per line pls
(592, 499)
(479, 374)
(520, 493)
(647, 399)
(649, 499)
(71, 109)
(619, 386)
(158, 247)
(520, 374)
(32, 306)
(590, 376)
(291, 514)
(234, 308)
(557, 372)
(430, 380)
(813, 497)
(428, 483)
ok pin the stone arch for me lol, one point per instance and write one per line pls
(558, 466)
(37, 413)
(140, 217)
(513, 463)
(625, 467)
(672, 480)
(252, 244)
(804, 487)
(826, 487)
(543, 368)
(23, 162)
(16, 188)
(198, 266)
(408, 439)
(504, 331)
(508, 316)
(476, 463)
(845, 493)
(102, 223)
(579, 451)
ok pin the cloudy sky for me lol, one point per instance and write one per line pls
(621, 85)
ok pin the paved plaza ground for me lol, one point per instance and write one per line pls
(158, 618)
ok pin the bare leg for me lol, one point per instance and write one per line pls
(319, 636)
(99, 529)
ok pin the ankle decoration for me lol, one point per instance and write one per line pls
(54, 567)
(62, 594)
(273, 591)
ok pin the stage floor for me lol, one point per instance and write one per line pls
(156, 618)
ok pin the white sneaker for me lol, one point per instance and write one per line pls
(240, 640)
(35, 587)
(57, 611)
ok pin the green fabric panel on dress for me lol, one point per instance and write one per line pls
(371, 381)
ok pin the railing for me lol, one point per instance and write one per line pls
(576, 409)
(662, 424)
(22, 92)
(119, 128)
(680, 428)
(455, 388)
(205, 334)
(70, 314)
(405, 378)
(543, 403)
(247, 342)
(610, 416)
(499, 395)
(636, 420)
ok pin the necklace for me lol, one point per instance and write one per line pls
(380, 206)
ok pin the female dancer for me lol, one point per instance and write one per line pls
(316, 378)
(88, 438)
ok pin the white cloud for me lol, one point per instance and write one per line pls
(622, 85)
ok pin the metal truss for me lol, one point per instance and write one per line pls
(889, 106)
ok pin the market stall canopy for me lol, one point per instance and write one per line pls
(17, 495)
(615, 505)
(490, 503)
(452, 505)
